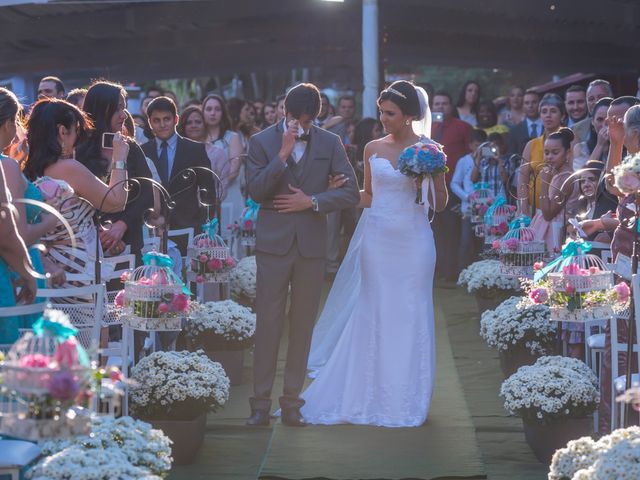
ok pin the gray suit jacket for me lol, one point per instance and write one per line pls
(267, 177)
(582, 129)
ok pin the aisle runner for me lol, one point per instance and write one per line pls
(445, 447)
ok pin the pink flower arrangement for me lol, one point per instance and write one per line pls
(247, 225)
(119, 300)
(496, 245)
(623, 292)
(215, 264)
(163, 308)
(538, 266)
(572, 269)
(125, 276)
(539, 295)
(66, 354)
(180, 303)
(569, 288)
(35, 360)
(512, 244)
(160, 278)
(229, 262)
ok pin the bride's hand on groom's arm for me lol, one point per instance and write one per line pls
(336, 181)
(292, 202)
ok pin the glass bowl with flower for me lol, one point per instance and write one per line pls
(519, 249)
(46, 382)
(209, 259)
(154, 297)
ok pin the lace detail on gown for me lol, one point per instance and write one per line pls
(382, 369)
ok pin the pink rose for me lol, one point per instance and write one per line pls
(199, 279)
(569, 288)
(572, 269)
(247, 225)
(180, 303)
(125, 276)
(66, 353)
(35, 360)
(539, 295)
(119, 300)
(496, 245)
(203, 258)
(160, 278)
(214, 264)
(538, 266)
(163, 308)
(628, 182)
(229, 262)
(623, 292)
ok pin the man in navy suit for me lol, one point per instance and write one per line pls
(530, 127)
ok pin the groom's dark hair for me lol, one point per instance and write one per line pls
(303, 99)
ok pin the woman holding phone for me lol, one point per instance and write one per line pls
(105, 105)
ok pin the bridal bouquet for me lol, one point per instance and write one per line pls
(627, 174)
(420, 160)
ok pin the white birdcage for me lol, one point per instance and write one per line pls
(246, 227)
(496, 222)
(209, 258)
(155, 299)
(519, 251)
(46, 373)
(479, 202)
(578, 285)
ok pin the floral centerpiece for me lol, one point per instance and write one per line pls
(145, 448)
(483, 279)
(243, 281)
(553, 397)
(209, 258)
(616, 455)
(519, 249)
(223, 325)
(46, 380)
(154, 298)
(420, 160)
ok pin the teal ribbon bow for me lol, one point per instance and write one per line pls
(211, 228)
(60, 331)
(164, 261)
(522, 221)
(251, 212)
(497, 203)
(481, 186)
(570, 249)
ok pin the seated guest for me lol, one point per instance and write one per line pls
(105, 105)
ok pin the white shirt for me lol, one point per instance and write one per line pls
(300, 146)
(461, 183)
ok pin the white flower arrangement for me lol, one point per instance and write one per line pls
(485, 277)
(220, 325)
(101, 464)
(554, 388)
(627, 174)
(613, 456)
(177, 386)
(243, 279)
(143, 446)
(518, 321)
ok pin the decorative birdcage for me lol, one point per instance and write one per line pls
(246, 227)
(479, 202)
(209, 258)
(154, 298)
(46, 376)
(496, 220)
(519, 250)
(578, 285)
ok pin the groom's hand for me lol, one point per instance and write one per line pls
(293, 202)
(288, 140)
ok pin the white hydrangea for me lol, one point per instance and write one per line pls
(225, 318)
(515, 321)
(553, 388)
(485, 275)
(143, 446)
(243, 278)
(166, 382)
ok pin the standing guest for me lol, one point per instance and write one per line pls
(219, 133)
(76, 97)
(596, 147)
(269, 115)
(191, 126)
(366, 130)
(247, 122)
(326, 111)
(488, 119)
(346, 117)
(51, 87)
(595, 91)
(153, 91)
(105, 104)
(455, 136)
(575, 100)
(467, 104)
(462, 187)
(527, 129)
(280, 108)
(494, 169)
(171, 95)
(552, 114)
(258, 107)
(514, 113)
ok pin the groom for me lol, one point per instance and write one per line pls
(288, 174)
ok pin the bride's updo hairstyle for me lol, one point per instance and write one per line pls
(404, 95)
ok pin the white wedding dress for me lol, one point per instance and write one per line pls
(373, 350)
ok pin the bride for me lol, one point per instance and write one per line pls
(373, 349)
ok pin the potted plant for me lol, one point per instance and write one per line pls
(224, 330)
(521, 332)
(616, 455)
(553, 397)
(485, 281)
(174, 391)
(243, 282)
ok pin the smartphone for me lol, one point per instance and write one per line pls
(107, 140)
(437, 117)
(488, 151)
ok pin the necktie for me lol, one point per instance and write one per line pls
(163, 163)
(534, 130)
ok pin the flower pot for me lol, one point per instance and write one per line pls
(187, 437)
(232, 361)
(544, 440)
(514, 358)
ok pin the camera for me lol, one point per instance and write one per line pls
(437, 117)
(488, 151)
(107, 139)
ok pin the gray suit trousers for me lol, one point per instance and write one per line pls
(274, 275)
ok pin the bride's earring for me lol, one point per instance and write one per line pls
(407, 122)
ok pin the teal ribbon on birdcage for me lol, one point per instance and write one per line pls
(522, 221)
(570, 249)
(251, 212)
(497, 203)
(61, 332)
(164, 261)
(481, 186)
(211, 228)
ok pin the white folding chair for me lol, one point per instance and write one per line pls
(117, 265)
(15, 455)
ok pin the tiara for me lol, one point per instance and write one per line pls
(393, 90)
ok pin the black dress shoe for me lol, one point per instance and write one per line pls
(293, 418)
(258, 418)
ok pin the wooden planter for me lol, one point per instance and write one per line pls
(187, 437)
(544, 440)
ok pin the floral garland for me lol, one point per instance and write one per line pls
(518, 321)
(243, 279)
(484, 277)
(224, 325)
(177, 386)
(554, 388)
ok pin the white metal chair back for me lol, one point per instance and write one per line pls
(19, 311)
(117, 265)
